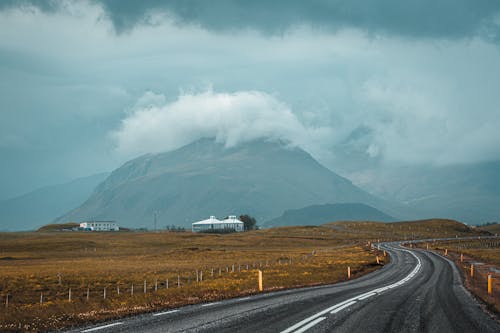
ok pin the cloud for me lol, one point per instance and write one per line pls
(414, 18)
(230, 118)
(358, 94)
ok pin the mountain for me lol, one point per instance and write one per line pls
(467, 192)
(320, 214)
(34, 209)
(204, 178)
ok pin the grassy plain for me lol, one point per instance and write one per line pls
(199, 267)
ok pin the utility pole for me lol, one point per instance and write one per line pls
(155, 218)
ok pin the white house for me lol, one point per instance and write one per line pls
(233, 223)
(213, 224)
(99, 226)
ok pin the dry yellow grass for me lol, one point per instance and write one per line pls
(492, 228)
(49, 264)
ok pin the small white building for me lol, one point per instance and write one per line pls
(100, 226)
(213, 225)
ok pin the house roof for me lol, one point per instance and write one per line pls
(232, 219)
(213, 220)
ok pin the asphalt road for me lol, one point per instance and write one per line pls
(417, 292)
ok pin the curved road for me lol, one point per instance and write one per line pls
(417, 291)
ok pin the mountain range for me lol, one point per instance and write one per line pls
(272, 181)
(467, 192)
(41, 206)
(204, 178)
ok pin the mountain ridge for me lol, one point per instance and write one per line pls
(206, 178)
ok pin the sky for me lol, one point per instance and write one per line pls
(359, 84)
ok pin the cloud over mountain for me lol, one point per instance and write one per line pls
(231, 118)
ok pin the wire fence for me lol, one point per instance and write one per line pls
(51, 289)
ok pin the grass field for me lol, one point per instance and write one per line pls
(492, 228)
(100, 270)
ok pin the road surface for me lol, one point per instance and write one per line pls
(417, 291)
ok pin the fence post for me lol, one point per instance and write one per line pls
(378, 261)
(118, 289)
(69, 294)
(471, 270)
(260, 280)
(132, 290)
(156, 284)
(489, 284)
(145, 286)
(88, 293)
(348, 272)
(445, 252)
(201, 276)
(166, 283)
(104, 293)
(41, 298)
(385, 253)
(461, 257)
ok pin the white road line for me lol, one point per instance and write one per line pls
(345, 304)
(101, 327)
(243, 299)
(311, 324)
(164, 313)
(340, 308)
(210, 304)
(366, 296)
(300, 323)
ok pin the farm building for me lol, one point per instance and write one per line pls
(213, 225)
(99, 226)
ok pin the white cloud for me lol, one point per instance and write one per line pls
(230, 118)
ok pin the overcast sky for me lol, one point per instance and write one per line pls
(359, 84)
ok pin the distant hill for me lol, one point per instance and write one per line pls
(429, 228)
(320, 214)
(42, 206)
(58, 227)
(205, 178)
(493, 228)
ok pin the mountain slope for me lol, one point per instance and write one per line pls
(204, 178)
(320, 214)
(468, 193)
(34, 209)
